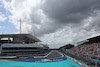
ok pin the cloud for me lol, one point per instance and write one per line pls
(70, 11)
(2, 27)
(2, 17)
(56, 21)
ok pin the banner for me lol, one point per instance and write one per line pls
(43, 60)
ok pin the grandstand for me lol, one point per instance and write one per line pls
(26, 48)
(89, 48)
(20, 44)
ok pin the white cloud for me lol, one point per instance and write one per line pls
(0, 6)
(2, 27)
(2, 17)
(56, 22)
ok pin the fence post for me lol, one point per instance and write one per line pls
(95, 64)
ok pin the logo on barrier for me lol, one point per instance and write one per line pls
(45, 60)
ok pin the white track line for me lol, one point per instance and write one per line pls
(52, 51)
(60, 53)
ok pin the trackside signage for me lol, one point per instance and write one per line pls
(44, 60)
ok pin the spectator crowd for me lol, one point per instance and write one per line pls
(87, 50)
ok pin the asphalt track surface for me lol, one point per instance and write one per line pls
(52, 54)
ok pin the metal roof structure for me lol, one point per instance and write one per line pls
(82, 42)
(25, 37)
(95, 39)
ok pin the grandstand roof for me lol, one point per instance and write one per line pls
(93, 38)
(23, 36)
(82, 42)
(68, 46)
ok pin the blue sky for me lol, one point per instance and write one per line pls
(6, 26)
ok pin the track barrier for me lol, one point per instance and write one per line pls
(43, 60)
(87, 61)
(78, 62)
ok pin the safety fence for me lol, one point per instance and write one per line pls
(78, 62)
(86, 61)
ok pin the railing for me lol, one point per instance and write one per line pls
(87, 61)
(18, 50)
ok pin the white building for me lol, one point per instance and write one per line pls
(20, 44)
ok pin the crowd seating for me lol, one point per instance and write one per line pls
(87, 50)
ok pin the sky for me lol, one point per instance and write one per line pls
(54, 22)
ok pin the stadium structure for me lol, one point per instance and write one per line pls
(27, 48)
(87, 51)
(20, 44)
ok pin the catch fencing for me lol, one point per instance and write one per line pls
(87, 62)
